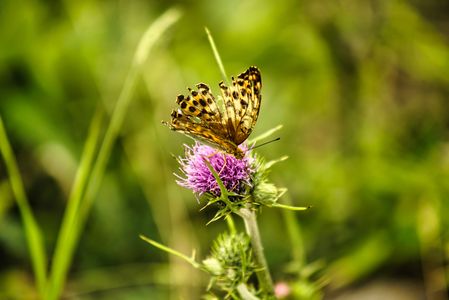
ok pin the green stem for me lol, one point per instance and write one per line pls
(217, 56)
(295, 235)
(32, 230)
(190, 260)
(67, 239)
(264, 135)
(294, 232)
(263, 274)
(231, 224)
(90, 188)
(290, 207)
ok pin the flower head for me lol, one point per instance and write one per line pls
(234, 173)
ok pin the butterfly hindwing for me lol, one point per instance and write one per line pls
(184, 124)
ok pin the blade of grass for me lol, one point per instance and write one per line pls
(217, 56)
(264, 135)
(63, 249)
(149, 38)
(153, 33)
(32, 231)
(295, 236)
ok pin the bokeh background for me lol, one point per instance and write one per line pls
(360, 87)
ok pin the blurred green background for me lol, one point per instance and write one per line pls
(361, 88)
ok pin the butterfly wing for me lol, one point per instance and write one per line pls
(242, 103)
(197, 131)
(199, 115)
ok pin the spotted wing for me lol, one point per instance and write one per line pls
(184, 124)
(199, 116)
(242, 102)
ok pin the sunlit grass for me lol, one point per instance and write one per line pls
(88, 178)
(71, 226)
(75, 218)
(32, 231)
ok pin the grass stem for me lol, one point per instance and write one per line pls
(32, 231)
(75, 224)
(217, 56)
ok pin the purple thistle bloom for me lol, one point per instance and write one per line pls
(234, 173)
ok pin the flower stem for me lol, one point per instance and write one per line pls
(231, 224)
(263, 275)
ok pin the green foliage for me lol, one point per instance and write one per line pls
(361, 89)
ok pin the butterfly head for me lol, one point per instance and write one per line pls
(236, 152)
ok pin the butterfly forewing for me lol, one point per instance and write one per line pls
(248, 85)
(200, 116)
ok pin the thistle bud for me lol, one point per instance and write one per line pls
(266, 193)
(230, 263)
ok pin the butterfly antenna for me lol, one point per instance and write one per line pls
(263, 144)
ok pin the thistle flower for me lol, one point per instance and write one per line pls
(234, 173)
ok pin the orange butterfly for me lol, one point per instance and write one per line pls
(224, 125)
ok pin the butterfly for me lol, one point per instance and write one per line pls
(226, 124)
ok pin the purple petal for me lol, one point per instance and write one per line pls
(234, 173)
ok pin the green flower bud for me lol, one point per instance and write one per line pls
(266, 193)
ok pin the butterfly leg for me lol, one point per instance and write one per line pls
(224, 160)
(224, 164)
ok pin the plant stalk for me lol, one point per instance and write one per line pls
(33, 233)
(217, 56)
(252, 229)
